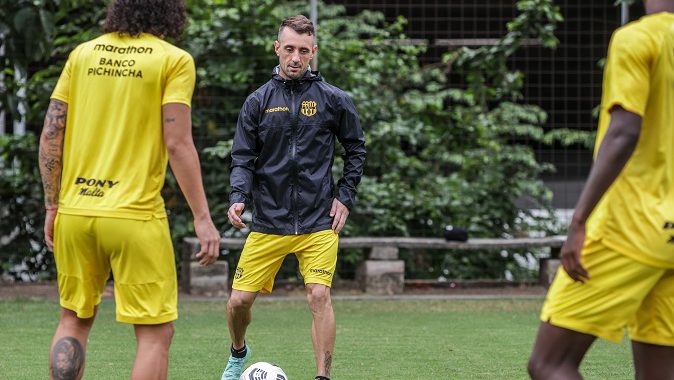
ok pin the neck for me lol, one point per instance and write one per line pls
(657, 6)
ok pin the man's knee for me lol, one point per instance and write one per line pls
(318, 297)
(156, 334)
(240, 301)
(536, 367)
(69, 319)
(168, 330)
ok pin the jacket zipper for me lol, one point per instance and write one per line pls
(293, 139)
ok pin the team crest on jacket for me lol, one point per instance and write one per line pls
(308, 108)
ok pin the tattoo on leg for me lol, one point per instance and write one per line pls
(327, 362)
(67, 359)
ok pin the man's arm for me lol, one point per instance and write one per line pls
(615, 150)
(51, 162)
(350, 135)
(185, 166)
(244, 153)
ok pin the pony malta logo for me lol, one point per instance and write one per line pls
(308, 108)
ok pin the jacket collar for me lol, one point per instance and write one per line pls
(309, 76)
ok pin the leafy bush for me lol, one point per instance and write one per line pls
(23, 253)
(447, 144)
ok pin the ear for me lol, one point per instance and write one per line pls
(313, 51)
(277, 45)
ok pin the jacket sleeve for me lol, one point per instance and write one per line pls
(245, 151)
(350, 135)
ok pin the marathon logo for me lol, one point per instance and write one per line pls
(93, 187)
(320, 271)
(123, 50)
(277, 109)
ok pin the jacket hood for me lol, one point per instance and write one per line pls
(308, 75)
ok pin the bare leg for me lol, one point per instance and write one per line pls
(558, 352)
(152, 351)
(653, 362)
(239, 315)
(69, 345)
(323, 328)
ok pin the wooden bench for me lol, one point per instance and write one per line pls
(381, 273)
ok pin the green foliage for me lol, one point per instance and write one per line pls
(438, 153)
(22, 249)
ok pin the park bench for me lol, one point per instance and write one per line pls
(382, 272)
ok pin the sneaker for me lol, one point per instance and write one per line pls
(235, 366)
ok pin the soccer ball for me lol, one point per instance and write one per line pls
(263, 371)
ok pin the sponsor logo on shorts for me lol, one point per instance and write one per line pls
(94, 187)
(238, 273)
(669, 226)
(320, 271)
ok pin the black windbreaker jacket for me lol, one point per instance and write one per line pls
(283, 153)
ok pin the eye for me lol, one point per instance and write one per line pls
(304, 51)
(289, 49)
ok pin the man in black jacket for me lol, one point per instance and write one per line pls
(282, 165)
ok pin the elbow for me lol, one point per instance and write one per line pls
(627, 138)
(177, 147)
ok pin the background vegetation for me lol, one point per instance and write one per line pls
(447, 144)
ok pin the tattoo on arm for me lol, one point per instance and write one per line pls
(51, 150)
(328, 362)
(67, 359)
(169, 119)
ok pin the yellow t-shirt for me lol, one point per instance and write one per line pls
(636, 215)
(114, 156)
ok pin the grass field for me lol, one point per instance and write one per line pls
(394, 339)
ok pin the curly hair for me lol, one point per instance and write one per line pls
(163, 18)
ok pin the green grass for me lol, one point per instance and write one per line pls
(406, 340)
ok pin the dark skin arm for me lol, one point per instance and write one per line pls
(51, 161)
(616, 149)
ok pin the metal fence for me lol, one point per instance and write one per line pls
(565, 82)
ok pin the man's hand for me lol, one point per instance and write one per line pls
(234, 215)
(339, 213)
(209, 238)
(570, 254)
(49, 219)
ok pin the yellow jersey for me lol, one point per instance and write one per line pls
(114, 155)
(636, 215)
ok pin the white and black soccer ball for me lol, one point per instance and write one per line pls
(263, 371)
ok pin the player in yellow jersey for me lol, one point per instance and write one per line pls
(119, 113)
(618, 259)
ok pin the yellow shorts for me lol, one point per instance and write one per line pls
(140, 255)
(263, 255)
(621, 292)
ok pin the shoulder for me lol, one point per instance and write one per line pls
(261, 93)
(333, 92)
(99, 43)
(256, 98)
(638, 36)
(172, 52)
